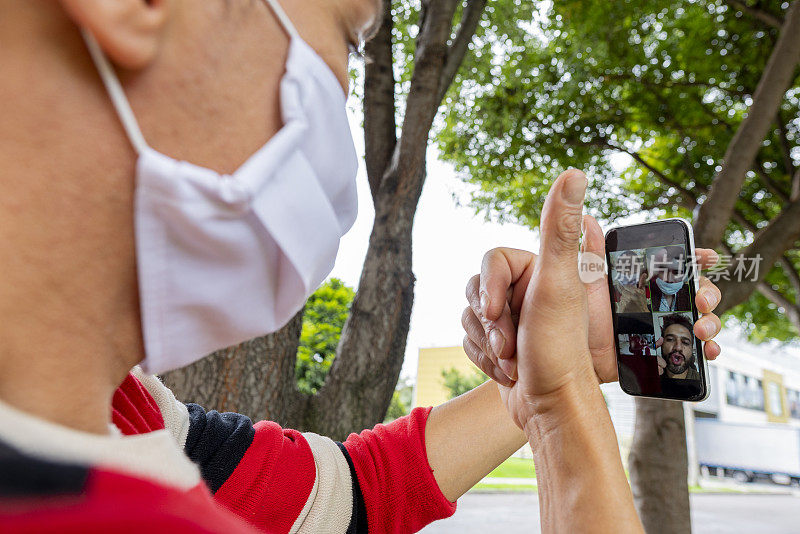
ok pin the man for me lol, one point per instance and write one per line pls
(176, 177)
(667, 285)
(677, 360)
(629, 279)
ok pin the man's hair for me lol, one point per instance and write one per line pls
(670, 320)
(675, 252)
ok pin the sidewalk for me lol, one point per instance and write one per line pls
(727, 485)
(711, 485)
(505, 485)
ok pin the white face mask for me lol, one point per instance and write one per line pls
(669, 288)
(225, 258)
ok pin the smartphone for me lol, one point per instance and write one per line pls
(652, 281)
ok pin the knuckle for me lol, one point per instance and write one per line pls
(492, 254)
(473, 286)
(483, 363)
(485, 347)
(466, 315)
(469, 348)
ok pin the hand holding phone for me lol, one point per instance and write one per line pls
(658, 353)
(495, 296)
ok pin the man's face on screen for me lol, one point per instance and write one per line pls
(677, 349)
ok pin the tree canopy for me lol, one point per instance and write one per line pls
(458, 383)
(663, 83)
(323, 318)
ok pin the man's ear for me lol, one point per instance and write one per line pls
(128, 31)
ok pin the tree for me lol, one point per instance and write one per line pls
(424, 52)
(458, 383)
(401, 401)
(702, 97)
(323, 318)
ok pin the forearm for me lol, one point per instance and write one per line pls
(467, 437)
(582, 485)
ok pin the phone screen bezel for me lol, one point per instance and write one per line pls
(654, 234)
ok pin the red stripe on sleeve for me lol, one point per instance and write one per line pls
(133, 409)
(273, 480)
(122, 504)
(397, 483)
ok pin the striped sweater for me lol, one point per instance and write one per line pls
(174, 467)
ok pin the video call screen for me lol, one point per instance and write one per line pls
(652, 293)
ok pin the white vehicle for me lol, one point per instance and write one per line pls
(748, 451)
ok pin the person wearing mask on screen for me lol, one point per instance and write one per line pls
(668, 288)
(178, 176)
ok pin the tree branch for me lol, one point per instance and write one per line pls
(786, 147)
(470, 18)
(380, 129)
(741, 152)
(640, 80)
(795, 195)
(769, 183)
(791, 274)
(423, 97)
(785, 262)
(769, 245)
(791, 309)
(689, 198)
(760, 14)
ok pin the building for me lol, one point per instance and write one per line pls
(429, 389)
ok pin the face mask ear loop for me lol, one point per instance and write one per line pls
(116, 93)
(283, 18)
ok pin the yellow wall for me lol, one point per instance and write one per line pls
(779, 413)
(430, 390)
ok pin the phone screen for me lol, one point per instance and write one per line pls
(651, 282)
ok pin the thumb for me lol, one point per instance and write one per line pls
(561, 223)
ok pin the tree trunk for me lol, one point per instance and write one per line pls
(256, 378)
(363, 375)
(716, 211)
(658, 467)
(658, 458)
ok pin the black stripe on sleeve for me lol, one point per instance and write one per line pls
(216, 442)
(358, 519)
(25, 476)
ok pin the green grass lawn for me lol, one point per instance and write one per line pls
(505, 487)
(514, 468)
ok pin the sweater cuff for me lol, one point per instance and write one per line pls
(397, 483)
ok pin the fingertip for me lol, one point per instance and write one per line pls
(712, 350)
(560, 224)
(593, 239)
(509, 367)
(495, 279)
(500, 377)
(702, 303)
(706, 257)
(484, 303)
(573, 187)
